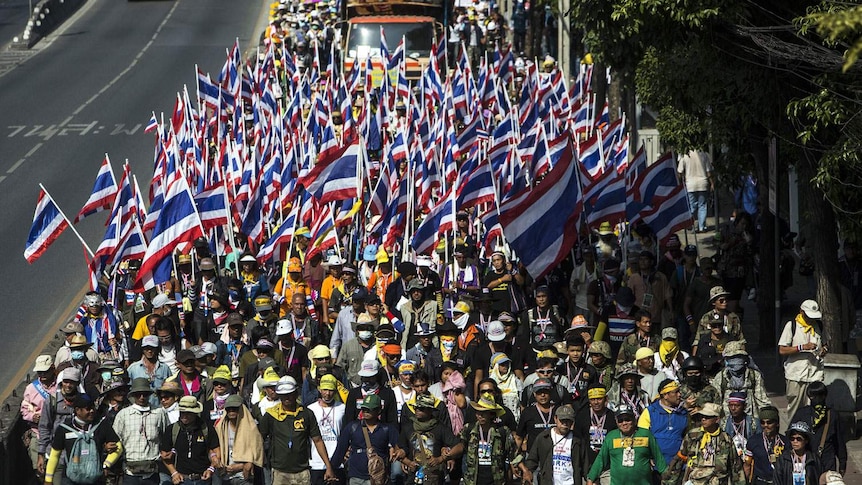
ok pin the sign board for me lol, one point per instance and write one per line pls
(773, 178)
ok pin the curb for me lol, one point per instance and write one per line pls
(47, 15)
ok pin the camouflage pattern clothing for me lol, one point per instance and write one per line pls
(732, 326)
(606, 376)
(502, 452)
(751, 383)
(632, 343)
(713, 463)
(702, 396)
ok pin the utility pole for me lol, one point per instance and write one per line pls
(564, 39)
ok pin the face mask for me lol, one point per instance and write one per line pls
(369, 386)
(735, 365)
(365, 335)
(611, 278)
(328, 401)
(692, 381)
(406, 386)
(106, 376)
(461, 321)
(448, 344)
(77, 354)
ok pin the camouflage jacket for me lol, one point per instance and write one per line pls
(632, 343)
(753, 386)
(502, 452)
(733, 326)
(706, 394)
(717, 463)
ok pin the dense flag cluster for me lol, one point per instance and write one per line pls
(256, 158)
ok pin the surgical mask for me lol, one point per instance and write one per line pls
(448, 344)
(406, 386)
(328, 401)
(365, 335)
(461, 321)
(106, 376)
(77, 354)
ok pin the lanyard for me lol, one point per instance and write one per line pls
(546, 422)
(599, 423)
(569, 374)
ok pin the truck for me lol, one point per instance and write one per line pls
(418, 22)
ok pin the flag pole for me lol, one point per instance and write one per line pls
(68, 222)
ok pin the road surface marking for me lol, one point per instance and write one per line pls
(17, 164)
(131, 65)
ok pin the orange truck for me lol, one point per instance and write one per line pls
(417, 22)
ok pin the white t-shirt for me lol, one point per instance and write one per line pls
(329, 420)
(562, 458)
(695, 167)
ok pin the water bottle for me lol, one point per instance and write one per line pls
(419, 479)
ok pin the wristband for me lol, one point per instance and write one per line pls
(211, 469)
(681, 456)
(174, 473)
(799, 348)
(689, 318)
(213, 455)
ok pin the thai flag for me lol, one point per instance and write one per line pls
(657, 182)
(603, 118)
(380, 195)
(541, 158)
(335, 179)
(253, 218)
(439, 55)
(580, 117)
(133, 244)
(399, 147)
(470, 134)
(605, 199)
(670, 215)
(620, 157)
(178, 223)
(104, 191)
(384, 48)
(278, 243)
(542, 227)
(397, 56)
(152, 124)
(213, 206)
(440, 220)
(395, 321)
(48, 224)
(477, 188)
(323, 234)
(345, 214)
(125, 202)
(590, 157)
(493, 229)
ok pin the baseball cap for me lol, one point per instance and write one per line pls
(643, 353)
(43, 363)
(70, 374)
(565, 412)
(690, 250)
(185, 355)
(233, 401)
(161, 300)
(371, 401)
(328, 382)
(625, 410)
(72, 327)
(264, 344)
(811, 309)
(209, 348)
(542, 384)
(369, 368)
(669, 333)
(150, 341)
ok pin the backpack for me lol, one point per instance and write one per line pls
(84, 464)
(377, 469)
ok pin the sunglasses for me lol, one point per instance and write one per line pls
(390, 356)
(768, 421)
(797, 438)
(721, 300)
(625, 419)
(545, 371)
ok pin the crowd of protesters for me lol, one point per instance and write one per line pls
(625, 364)
(430, 371)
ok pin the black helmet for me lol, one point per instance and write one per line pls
(693, 362)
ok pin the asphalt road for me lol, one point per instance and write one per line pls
(90, 91)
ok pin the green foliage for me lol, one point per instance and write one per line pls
(837, 24)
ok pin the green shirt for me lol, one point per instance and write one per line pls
(646, 452)
(291, 435)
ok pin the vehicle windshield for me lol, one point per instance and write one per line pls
(364, 39)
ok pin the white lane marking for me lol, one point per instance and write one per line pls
(17, 164)
(32, 151)
(132, 64)
(2, 178)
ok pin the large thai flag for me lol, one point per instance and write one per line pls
(48, 224)
(104, 192)
(605, 200)
(323, 234)
(438, 221)
(542, 226)
(657, 182)
(335, 179)
(213, 206)
(178, 223)
(590, 156)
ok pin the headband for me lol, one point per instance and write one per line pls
(597, 393)
(673, 386)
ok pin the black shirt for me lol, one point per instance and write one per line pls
(754, 447)
(533, 422)
(64, 439)
(192, 447)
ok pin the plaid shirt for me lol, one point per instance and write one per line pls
(139, 432)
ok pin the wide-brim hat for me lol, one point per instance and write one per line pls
(709, 409)
(484, 404)
(627, 370)
(79, 341)
(190, 404)
(172, 387)
(140, 384)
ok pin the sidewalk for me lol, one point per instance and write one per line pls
(768, 359)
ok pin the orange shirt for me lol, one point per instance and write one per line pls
(288, 287)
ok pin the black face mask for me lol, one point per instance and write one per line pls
(817, 400)
(693, 381)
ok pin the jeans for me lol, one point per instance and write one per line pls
(317, 477)
(396, 474)
(697, 202)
